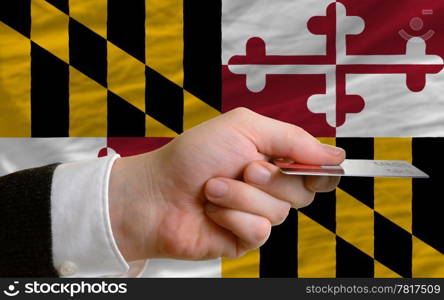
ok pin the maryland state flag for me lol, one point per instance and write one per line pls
(80, 78)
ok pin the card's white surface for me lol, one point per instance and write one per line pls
(362, 168)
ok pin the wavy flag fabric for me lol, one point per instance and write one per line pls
(80, 78)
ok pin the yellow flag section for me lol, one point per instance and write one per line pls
(393, 196)
(382, 271)
(15, 83)
(316, 249)
(246, 266)
(91, 13)
(164, 38)
(154, 128)
(87, 106)
(49, 29)
(328, 141)
(354, 222)
(126, 76)
(426, 261)
(196, 111)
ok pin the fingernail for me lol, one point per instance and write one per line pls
(259, 175)
(216, 188)
(332, 150)
(209, 207)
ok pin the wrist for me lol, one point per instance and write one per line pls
(131, 207)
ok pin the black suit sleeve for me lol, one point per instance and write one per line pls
(25, 223)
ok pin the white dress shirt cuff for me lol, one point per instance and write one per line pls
(83, 242)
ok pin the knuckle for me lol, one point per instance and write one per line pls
(294, 130)
(281, 215)
(334, 184)
(291, 134)
(306, 201)
(241, 112)
(261, 232)
(330, 188)
(239, 254)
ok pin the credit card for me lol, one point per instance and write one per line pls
(354, 168)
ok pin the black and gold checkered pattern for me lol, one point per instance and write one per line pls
(107, 68)
(148, 68)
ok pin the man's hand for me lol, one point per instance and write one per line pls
(211, 192)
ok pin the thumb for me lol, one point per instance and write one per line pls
(279, 139)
